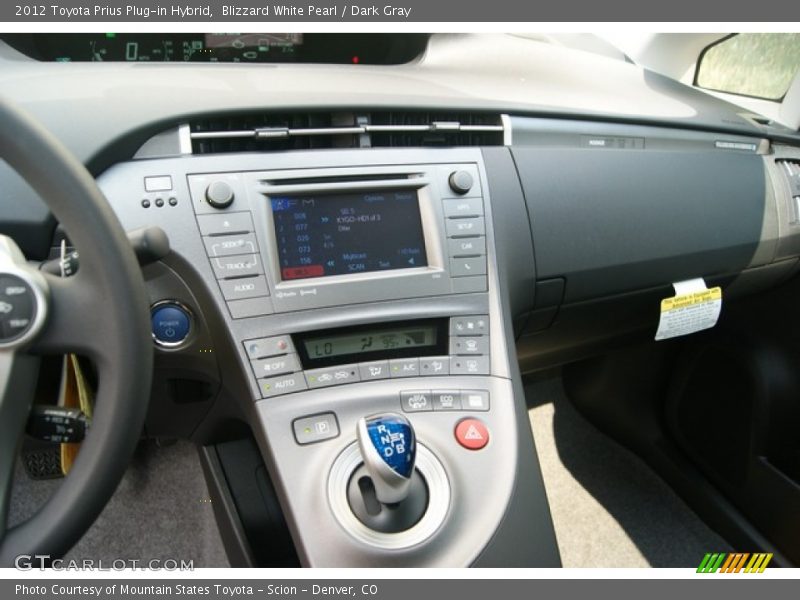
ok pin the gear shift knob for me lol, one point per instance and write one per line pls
(389, 449)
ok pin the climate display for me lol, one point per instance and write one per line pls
(344, 234)
(382, 340)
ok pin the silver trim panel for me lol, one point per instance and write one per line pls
(438, 501)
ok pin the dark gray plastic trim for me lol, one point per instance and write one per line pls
(611, 221)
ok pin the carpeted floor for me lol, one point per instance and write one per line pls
(609, 508)
(160, 510)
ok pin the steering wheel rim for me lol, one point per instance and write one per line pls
(102, 313)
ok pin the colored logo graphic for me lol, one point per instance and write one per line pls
(739, 562)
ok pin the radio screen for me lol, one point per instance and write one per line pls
(322, 235)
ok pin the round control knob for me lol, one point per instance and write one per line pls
(219, 194)
(171, 323)
(460, 182)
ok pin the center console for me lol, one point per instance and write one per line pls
(360, 297)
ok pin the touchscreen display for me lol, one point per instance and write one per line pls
(340, 234)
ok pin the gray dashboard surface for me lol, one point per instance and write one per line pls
(103, 111)
(90, 105)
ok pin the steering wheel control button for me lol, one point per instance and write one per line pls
(460, 182)
(283, 384)
(17, 308)
(434, 365)
(271, 346)
(319, 378)
(469, 365)
(416, 401)
(238, 222)
(316, 428)
(472, 434)
(219, 194)
(378, 369)
(404, 367)
(171, 324)
(231, 245)
(463, 207)
(446, 400)
(279, 365)
(475, 400)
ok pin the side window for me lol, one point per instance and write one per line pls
(761, 65)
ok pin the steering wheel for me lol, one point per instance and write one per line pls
(100, 313)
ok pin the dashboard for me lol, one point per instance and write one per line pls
(403, 233)
(220, 47)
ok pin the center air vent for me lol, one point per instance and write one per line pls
(266, 132)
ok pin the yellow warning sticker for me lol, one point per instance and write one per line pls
(693, 308)
(691, 299)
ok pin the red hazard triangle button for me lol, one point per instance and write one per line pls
(472, 434)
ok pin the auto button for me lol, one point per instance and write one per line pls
(283, 384)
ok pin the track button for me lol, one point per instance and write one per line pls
(472, 434)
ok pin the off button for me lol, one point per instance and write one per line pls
(170, 323)
(472, 434)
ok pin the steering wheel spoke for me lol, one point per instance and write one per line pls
(77, 322)
(18, 376)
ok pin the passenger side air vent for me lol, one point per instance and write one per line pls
(791, 170)
(267, 132)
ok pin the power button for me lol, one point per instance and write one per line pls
(170, 322)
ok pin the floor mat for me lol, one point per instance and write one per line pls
(160, 510)
(609, 508)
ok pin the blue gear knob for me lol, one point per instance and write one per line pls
(389, 448)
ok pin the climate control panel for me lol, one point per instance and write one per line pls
(280, 367)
